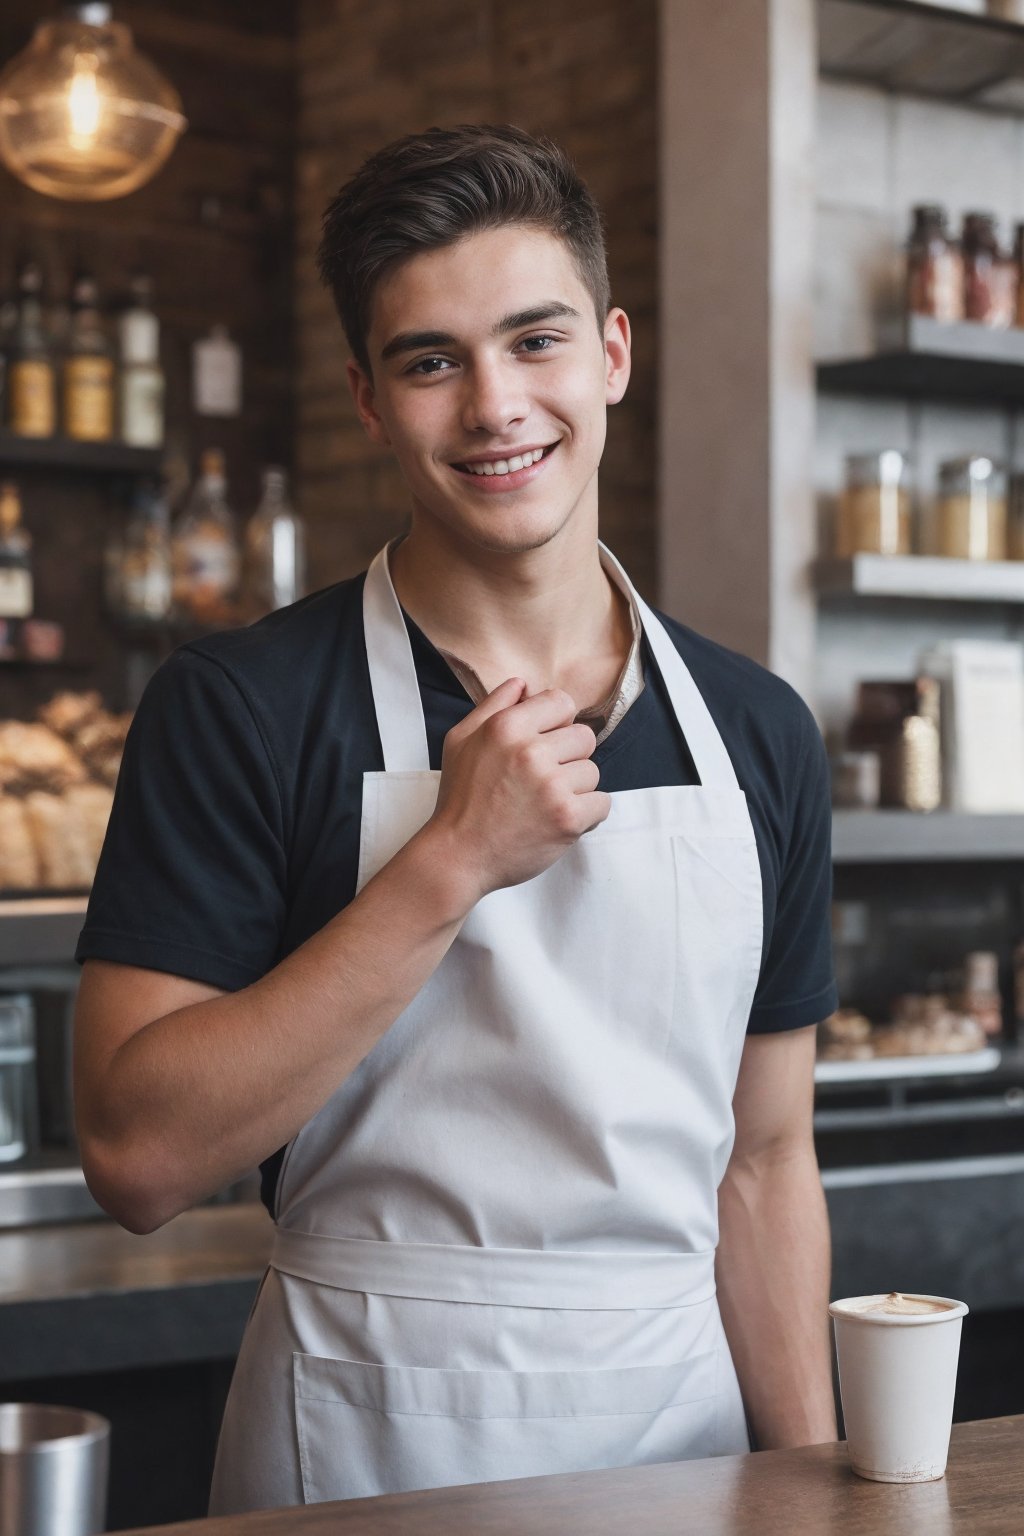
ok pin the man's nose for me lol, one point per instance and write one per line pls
(494, 397)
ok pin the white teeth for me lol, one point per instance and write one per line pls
(508, 466)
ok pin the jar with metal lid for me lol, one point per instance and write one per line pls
(935, 270)
(874, 506)
(971, 511)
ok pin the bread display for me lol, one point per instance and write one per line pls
(922, 1025)
(19, 862)
(57, 775)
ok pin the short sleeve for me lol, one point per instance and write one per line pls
(797, 982)
(192, 876)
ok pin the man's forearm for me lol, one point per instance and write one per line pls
(773, 1271)
(202, 1094)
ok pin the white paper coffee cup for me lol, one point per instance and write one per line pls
(897, 1377)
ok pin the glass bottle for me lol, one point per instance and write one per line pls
(275, 549)
(141, 391)
(16, 596)
(935, 272)
(205, 557)
(989, 276)
(32, 410)
(143, 579)
(88, 373)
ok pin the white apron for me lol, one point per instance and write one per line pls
(496, 1242)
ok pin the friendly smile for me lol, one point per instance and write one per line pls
(514, 470)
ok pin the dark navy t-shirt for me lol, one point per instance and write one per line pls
(234, 834)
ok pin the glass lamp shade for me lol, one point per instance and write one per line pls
(82, 115)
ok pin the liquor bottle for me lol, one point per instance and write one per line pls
(8, 320)
(275, 549)
(32, 409)
(141, 391)
(140, 588)
(15, 557)
(205, 557)
(88, 374)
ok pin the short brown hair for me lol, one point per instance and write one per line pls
(431, 189)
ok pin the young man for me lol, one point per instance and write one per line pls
(488, 910)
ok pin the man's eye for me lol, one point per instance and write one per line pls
(429, 365)
(538, 343)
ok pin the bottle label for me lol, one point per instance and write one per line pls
(217, 376)
(142, 407)
(15, 592)
(206, 569)
(33, 407)
(89, 399)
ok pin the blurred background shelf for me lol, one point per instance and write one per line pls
(58, 453)
(891, 837)
(40, 930)
(922, 358)
(886, 1069)
(926, 50)
(921, 577)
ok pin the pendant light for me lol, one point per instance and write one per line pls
(82, 115)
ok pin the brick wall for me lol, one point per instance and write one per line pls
(582, 71)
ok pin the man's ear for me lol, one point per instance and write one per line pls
(617, 342)
(361, 386)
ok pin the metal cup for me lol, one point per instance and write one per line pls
(53, 1471)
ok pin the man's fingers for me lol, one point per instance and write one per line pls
(503, 697)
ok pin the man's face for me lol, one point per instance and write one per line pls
(483, 352)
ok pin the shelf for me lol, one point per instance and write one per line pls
(58, 453)
(921, 577)
(40, 930)
(925, 50)
(909, 837)
(923, 358)
(26, 664)
(884, 1069)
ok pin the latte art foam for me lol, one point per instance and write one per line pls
(893, 1305)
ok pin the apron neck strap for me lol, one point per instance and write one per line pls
(710, 758)
(393, 681)
(399, 707)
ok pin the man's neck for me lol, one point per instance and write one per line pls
(549, 615)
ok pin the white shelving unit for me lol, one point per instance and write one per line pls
(921, 577)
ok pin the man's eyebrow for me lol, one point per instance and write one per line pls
(412, 341)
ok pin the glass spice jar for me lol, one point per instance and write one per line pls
(935, 270)
(874, 506)
(990, 276)
(971, 511)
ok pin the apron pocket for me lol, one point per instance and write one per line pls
(369, 1429)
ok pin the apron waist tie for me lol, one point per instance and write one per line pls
(508, 1277)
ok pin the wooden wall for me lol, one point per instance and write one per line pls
(582, 71)
(214, 228)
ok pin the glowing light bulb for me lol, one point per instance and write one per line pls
(83, 102)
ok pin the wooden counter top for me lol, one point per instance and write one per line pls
(219, 1242)
(776, 1493)
(82, 1297)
